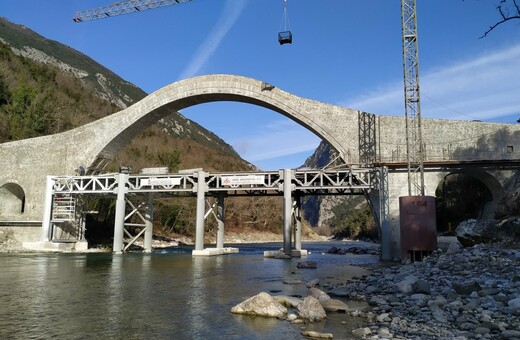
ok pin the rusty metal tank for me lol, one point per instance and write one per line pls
(418, 226)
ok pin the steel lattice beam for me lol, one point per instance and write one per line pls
(122, 7)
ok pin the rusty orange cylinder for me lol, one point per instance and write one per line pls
(418, 226)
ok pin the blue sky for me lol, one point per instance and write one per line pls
(344, 52)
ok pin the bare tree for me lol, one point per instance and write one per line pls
(508, 10)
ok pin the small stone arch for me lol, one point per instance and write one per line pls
(12, 200)
(494, 187)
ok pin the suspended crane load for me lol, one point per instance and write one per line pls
(122, 7)
(285, 36)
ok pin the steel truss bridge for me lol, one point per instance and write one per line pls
(64, 215)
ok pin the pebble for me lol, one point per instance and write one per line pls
(467, 293)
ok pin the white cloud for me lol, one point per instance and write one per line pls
(485, 88)
(280, 138)
(231, 13)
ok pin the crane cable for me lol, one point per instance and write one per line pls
(285, 18)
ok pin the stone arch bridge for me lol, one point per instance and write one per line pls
(490, 151)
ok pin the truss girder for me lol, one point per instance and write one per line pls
(270, 183)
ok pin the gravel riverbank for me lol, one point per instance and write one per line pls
(460, 294)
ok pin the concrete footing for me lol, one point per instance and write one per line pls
(56, 246)
(214, 251)
(276, 253)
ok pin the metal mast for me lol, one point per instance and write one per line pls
(122, 7)
(412, 109)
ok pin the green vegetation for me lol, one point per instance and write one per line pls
(37, 99)
(21, 37)
(353, 220)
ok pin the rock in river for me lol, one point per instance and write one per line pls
(261, 304)
(311, 309)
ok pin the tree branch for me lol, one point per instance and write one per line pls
(504, 14)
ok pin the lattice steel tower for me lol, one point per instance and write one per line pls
(414, 144)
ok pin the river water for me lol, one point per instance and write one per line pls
(167, 294)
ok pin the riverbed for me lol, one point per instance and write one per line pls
(167, 294)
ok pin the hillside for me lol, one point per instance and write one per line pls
(47, 87)
(73, 72)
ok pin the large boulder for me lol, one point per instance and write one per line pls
(318, 294)
(317, 335)
(262, 304)
(310, 309)
(288, 301)
(509, 205)
(466, 288)
(509, 229)
(471, 232)
(335, 305)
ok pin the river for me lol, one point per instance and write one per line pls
(167, 294)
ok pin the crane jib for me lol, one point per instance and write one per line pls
(122, 7)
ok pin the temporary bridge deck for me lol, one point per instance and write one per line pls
(63, 216)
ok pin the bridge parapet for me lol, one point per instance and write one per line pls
(449, 140)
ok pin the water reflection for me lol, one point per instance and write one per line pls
(114, 296)
(166, 294)
(198, 300)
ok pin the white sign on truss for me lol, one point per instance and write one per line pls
(161, 181)
(235, 181)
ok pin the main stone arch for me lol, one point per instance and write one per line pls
(324, 120)
(93, 145)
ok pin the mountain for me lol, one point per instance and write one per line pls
(100, 81)
(47, 87)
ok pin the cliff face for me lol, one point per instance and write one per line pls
(324, 211)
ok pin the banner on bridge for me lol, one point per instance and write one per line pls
(158, 181)
(235, 181)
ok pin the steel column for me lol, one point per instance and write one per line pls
(47, 210)
(287, 210)
(220, 220)
(384, 222)
(148, 233)
(201, 200)
(119, 223)
(298, 222)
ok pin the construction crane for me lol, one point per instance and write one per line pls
(412, 99)
(414, 144)
(122, 7)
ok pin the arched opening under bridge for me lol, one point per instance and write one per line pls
(12, 200)
(465, 194)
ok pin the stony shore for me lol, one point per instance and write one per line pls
(461, 293)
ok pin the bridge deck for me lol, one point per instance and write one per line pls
(307, 182)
